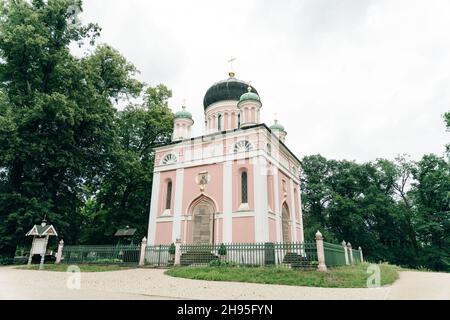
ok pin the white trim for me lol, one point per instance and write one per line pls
(151, 236)
(227, 227)
(244, 207)
(260, 200)
(293, 220)
(227, 157)
(242, 214)
(178, 202)
(279, 231)
(302, 235)
(164, 219)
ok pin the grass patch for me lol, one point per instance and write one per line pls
(340, 277)
(83, 267)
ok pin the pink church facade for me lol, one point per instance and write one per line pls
(238, 183)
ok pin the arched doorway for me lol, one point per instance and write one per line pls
(203, 215)
(286, 229)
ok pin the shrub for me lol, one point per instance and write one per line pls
(222, 250)
(6, 261)
(172, 248)
(220, 263)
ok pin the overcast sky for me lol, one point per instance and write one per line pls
(350, 79)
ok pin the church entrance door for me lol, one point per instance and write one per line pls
(203, 215)
(286, 229)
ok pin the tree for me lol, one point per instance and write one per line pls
(431, 197)
(359, 203)
(447, 122)
(123, 195)
(56, 115)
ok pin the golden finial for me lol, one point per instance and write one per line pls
(232, 74)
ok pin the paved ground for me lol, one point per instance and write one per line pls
(153, 284)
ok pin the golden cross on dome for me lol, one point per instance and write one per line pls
(230, 61)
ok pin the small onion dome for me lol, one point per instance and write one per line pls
(276, 126)
(183, 114)
(250, 96)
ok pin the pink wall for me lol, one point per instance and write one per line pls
(238, 166)
(163, 233)
(298, 234)
(243, 230)
(214, 189)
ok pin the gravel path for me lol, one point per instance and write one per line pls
(153, 284)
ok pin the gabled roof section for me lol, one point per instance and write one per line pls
(42, 231)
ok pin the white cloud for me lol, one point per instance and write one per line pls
(348, 79)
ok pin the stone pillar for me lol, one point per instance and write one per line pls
(178, 205)
(31, 253)
(177, 252)
(60, 252)
(344, 245)
(320, 252)
(349, 246)
(142, 253)
(44, 250)
(227, 226)
(361, 254)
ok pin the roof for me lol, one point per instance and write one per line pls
(277, 126)
(125, 232)
(40, 231)
(249, 96)
(183, 114)
(229, 89)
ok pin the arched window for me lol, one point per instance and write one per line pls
(169, 159)
(169, 195)
(239, 120)
(269, 149)
(243, 146)
(219, 122)
(244, 187)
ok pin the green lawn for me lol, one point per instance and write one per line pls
(83, 267)
(340, 277)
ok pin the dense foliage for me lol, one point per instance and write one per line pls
(67, 153)
(398, 211)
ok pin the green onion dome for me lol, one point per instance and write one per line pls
(229, 89)
(183, 114)
(250, 96)
(276, 126)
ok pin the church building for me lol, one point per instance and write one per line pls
(237, 183)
